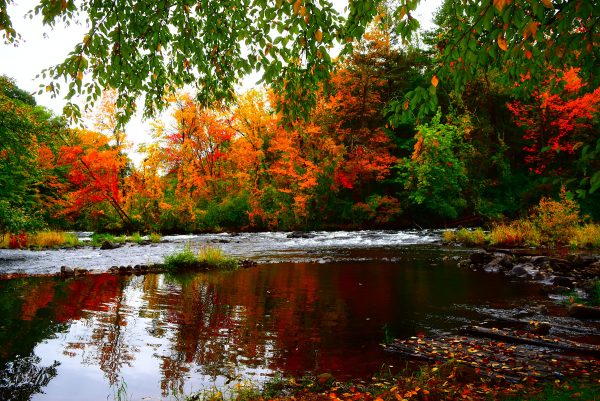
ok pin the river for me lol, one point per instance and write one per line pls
(311, 305)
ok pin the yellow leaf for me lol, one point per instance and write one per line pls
(501, 3)
(297, 6)
(502, 42)
(548, 3)
(79, 76)
(319, 35)
(435, 81)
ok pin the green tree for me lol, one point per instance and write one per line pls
(23, 127)
(436, 175)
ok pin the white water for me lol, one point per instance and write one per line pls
(262, 247)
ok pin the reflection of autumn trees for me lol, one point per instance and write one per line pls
(286, 318)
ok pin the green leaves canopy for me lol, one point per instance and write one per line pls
(151, 48)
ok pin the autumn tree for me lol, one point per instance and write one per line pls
(93, 173)
(512, 36)
(561, 133)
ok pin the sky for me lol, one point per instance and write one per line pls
(42, 47)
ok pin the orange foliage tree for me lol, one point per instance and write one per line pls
(93, 177)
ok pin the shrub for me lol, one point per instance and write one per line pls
(556, 220)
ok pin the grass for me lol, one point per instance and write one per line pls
(206, 257)
(524, 233)
(551, 223)
(154, 237)
(135, 237)
(40, 240)
(465, 236)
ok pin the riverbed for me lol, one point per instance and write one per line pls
(324, 303)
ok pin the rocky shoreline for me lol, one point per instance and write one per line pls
(578, 273)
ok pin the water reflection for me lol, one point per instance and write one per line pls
(165, 335)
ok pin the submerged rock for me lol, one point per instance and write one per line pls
(562, 281)
(300, 234)
(108, 245)
(522, 270)
(584, 312)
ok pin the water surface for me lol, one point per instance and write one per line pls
(79, 339)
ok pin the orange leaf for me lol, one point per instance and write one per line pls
(502, 42)
(530, 30)
(548, 3)
(528, 55)
(319, 35)
(406, 105)
(501, 3)
(435, 81)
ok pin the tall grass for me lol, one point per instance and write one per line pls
(42, 239)
(465, 236)
(206, 258)
(552, 223)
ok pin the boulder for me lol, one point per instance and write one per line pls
(584, 312)
(106, 244)
(562, 282)
(522, 270)
(66, 271)
(500, 262)
(480, 257)
(560, 265)
(300, 234)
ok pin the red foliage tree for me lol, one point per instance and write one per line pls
(557, 123)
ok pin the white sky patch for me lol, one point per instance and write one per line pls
(42, 47)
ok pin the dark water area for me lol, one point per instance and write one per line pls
(164, 335)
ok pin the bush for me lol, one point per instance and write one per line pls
(154, 237)
(556, 219)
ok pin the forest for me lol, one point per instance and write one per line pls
(360, 159)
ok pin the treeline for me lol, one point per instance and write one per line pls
(481, 155)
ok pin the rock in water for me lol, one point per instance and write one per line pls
(584, 312)
(108, 245)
